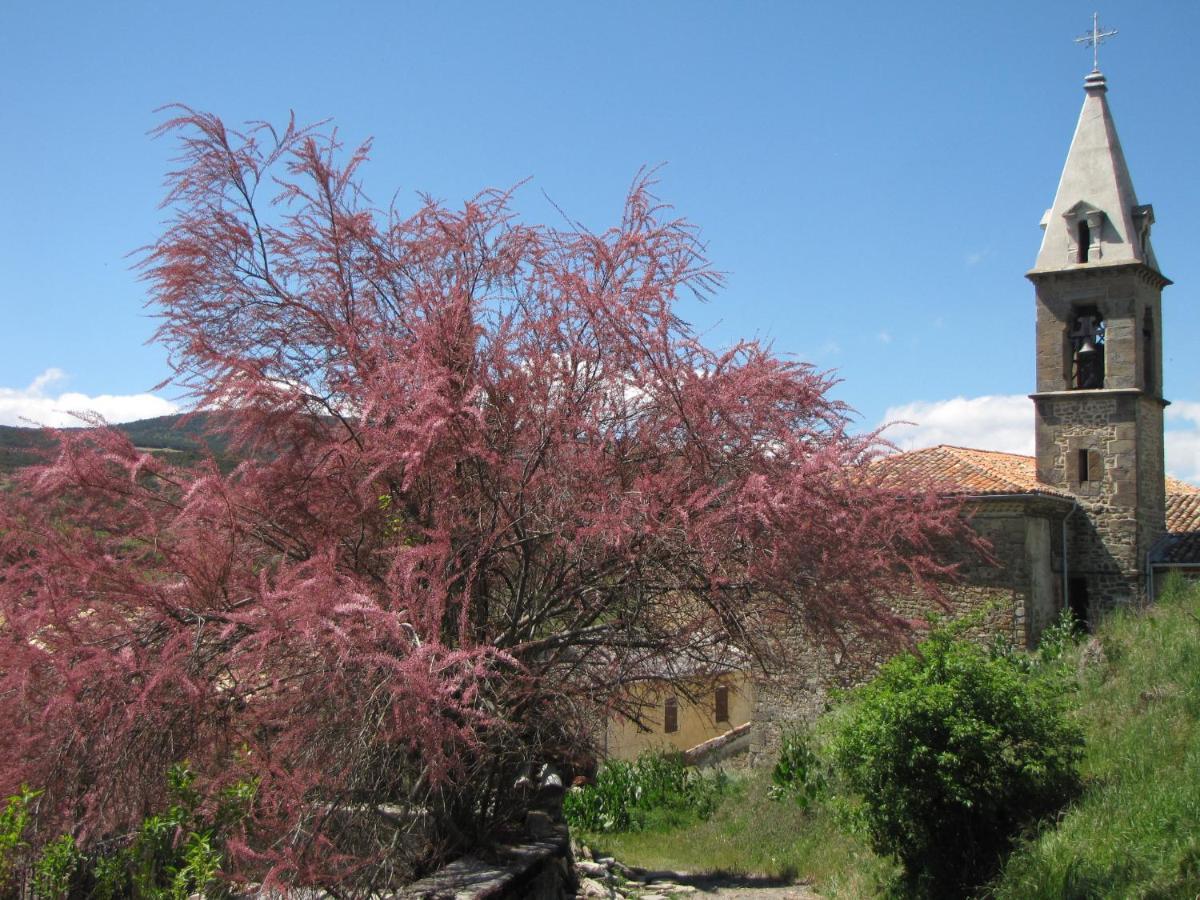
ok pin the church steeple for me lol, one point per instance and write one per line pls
(1099, 406)
(1096, 217)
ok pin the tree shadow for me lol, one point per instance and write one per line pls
(709, 882)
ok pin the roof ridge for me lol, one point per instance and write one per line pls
(988, 470)
(984, 450)
(1180, 487)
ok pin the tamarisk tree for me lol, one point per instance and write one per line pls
(484, 473)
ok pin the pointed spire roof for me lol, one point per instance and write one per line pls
(1095, 189)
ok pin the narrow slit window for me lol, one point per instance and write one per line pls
(1085, 241)
(721, 703)
(1148, 353)
(1084, 469)
(671, 716)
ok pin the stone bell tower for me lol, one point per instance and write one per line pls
(1099, 404)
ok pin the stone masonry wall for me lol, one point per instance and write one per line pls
(1000, 593)
(1151, 469)
(1121, 507)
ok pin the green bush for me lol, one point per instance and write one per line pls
(170, 856)
(953, 750)
(55, 867)
(1057, 640)
(14, 819)
(177, 852)
(799, 775)
(655, 790)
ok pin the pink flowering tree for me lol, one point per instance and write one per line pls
(485, 473)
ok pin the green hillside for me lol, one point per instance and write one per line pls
(177, 434)
(1135, 832)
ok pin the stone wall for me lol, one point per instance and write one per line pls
(1123, 498)
(1151, 468)
(1014, 595)
(538, 870)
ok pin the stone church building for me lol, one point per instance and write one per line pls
(1091, 521)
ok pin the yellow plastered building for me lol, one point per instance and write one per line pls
(679, 714)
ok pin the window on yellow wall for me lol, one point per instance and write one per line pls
(671, 716)
(721, 713)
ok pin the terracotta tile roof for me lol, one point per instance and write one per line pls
(963, 470)
(966, 471)
(1182, 544)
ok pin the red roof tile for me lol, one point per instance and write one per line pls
(1183, 525)
(963, 470)
(970, 472)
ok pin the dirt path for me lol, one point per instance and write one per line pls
(685, 886)
(729, 887)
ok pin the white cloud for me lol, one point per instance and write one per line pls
(1006, 423)
(990, 423)
(884, 337)
(1183, 440)
(37, 404)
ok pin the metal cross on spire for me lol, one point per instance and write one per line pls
(1095, 38)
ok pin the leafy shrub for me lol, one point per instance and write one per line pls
(55, 866)
(171, 856)
(953, 749)
(177, 852)
(799, 774)
(1056, 640)
(656, 789)
(14, 818)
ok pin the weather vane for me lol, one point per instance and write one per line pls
(1095, 38)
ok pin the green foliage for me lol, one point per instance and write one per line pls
(1058, 640)
(1048, 661)
(799, 775)
(657, 790)
(171, 856)
(55, 867)
(14, 819)
(176, 853)
(952, 750)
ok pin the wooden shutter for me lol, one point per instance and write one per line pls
(722, 703)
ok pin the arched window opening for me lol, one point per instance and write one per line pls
(1085, 241)
(1087, 349)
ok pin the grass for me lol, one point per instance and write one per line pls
(751, 834)
(1133, 833)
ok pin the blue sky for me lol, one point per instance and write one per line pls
(870, 174)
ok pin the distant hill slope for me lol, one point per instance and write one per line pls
(23, 446)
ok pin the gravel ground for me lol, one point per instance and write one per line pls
(728, 887)
(609, 880)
